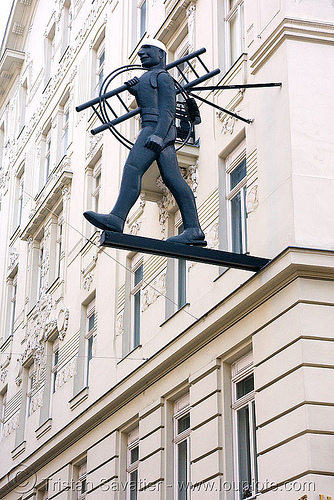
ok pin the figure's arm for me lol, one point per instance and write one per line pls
(166, 104)
(131, 83)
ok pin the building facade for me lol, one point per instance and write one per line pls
(128, 376)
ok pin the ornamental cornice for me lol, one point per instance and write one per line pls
(290, 29)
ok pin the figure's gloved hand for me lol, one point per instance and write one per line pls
(132, 82)
(155, 143)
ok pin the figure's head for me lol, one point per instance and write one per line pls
(152, 53)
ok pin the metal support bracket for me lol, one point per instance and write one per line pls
(179, 251)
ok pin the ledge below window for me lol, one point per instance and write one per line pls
(79, 398)
(44, 428)
(18, 450)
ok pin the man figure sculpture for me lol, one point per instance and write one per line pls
(155, 95)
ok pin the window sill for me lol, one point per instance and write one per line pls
(129, 353)
(18, 450)
(79, 398)
(174, 314)
(44, 428)
(6, 342)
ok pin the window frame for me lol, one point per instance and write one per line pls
(4, 397)
(13, 303)
(131, 467)
(47, 157)
(136, 291)
(89, 337)
(142, 26)
(96, 187)
(181, 410)
(30, 388)
(100, 66)
(65, 128)
(232, 162)
(237, 12)
(55, 366)
(241, 370)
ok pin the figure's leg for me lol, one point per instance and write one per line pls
(171, 175)
(138, 161)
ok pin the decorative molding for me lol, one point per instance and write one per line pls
(94, 141)
(87, 282)
(11, 425)
(66, 373)
(119, 327)
(211, 236)
(13, 259)
(36, 401)
(252, 199)
(62, 322)
(190, 13)
(153, 290)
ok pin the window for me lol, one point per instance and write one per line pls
(49, 53)
(132, 465)
(142, 18)
(59, 243)
(54, 369)
(90, 329)
(100, 63)
(96, 188)
(234, 30)
(244, 428)
(137, 283)
(181, 277)
(81, 486)
(20, 181)
(30, 387)
(181, 448)
(67, 26)
(22, 104)
(13, 304)
(47, 156)
(3, 412)
(65, 126)
(40, 269)
(236, 176)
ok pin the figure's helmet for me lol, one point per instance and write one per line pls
(155, 43)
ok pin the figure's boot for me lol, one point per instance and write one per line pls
(107, 222)
(190, 236)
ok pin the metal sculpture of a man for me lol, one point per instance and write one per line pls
(155, 95)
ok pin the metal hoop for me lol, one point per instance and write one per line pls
(104, 112)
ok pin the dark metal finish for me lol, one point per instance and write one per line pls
(179, 251)
(245, 86)
(136, 111)
(238, 117)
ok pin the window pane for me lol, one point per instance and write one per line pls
(138, 275)
(91, 322)
(90, 348)
(136, 325)
(133, 485)
(245, 386)
(142, 19)
(181, 279)
(244, 462)
(234, 42)
(236, 223)
(134, 454)
(238, 174)
(182, 471)
(183, 423)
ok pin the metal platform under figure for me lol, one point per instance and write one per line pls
(180, 251)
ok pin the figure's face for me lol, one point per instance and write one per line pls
(150, 56)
